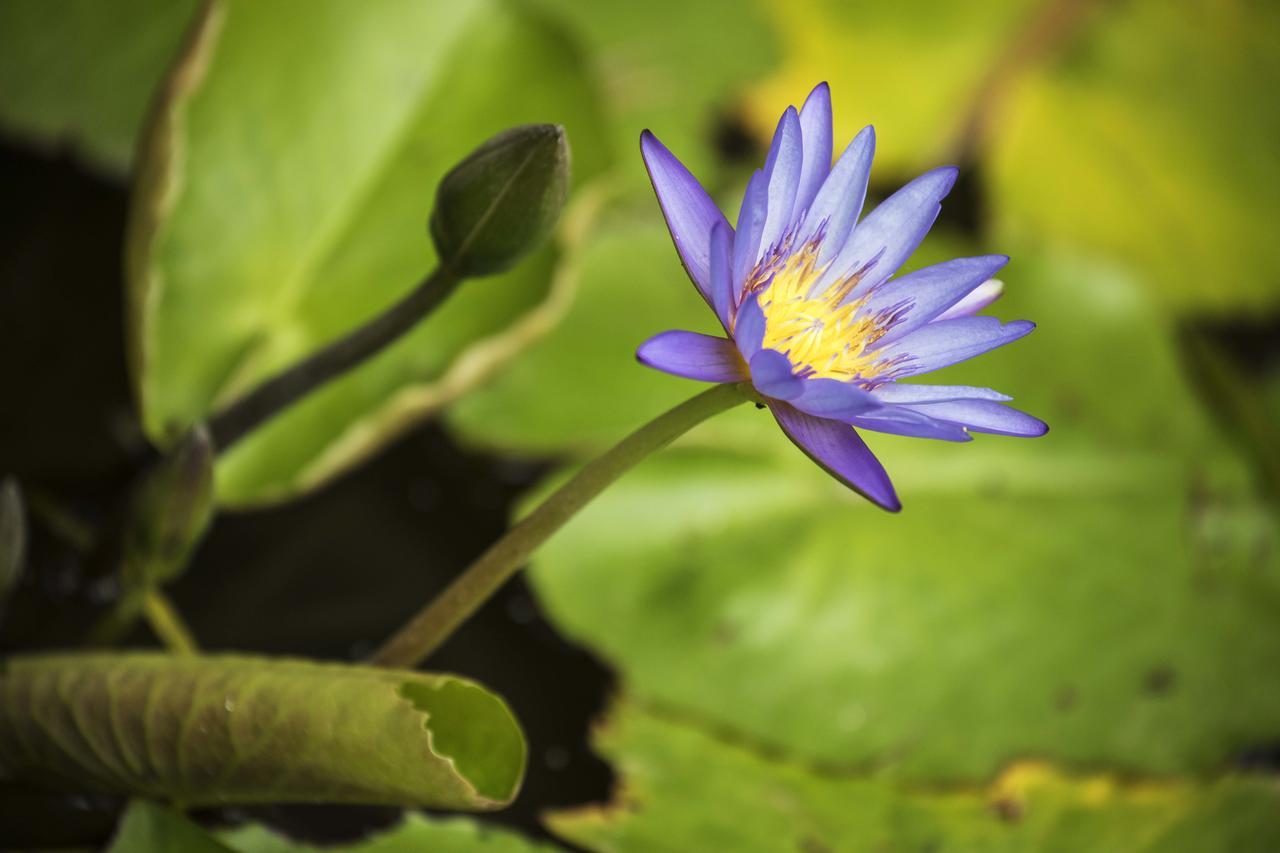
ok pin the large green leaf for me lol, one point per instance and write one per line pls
(1123, 146)
(285, 198)
(1106, 594)
(671, 77)
(580, 387)
(223, 729)
(910, 69)
(683, 788)
(83, 71)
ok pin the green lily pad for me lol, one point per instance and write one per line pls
(580, 387)
(82, 72)
(672, 79)
(284, 200)
(684, 788)
(1118, 146)
(1107, 594)
(911, 70)
(224, 729)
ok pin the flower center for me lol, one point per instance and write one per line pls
(820, 333)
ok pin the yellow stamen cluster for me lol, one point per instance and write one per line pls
(821, 334)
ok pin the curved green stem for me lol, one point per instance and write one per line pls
(165, 621)
(161, 616)
(282, 390)
(435, 622)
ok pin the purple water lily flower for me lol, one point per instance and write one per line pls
(814, 317)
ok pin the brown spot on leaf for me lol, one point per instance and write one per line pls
(1159, 680)
(1007, 809)
(725, 634)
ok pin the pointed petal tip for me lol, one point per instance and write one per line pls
(689, 211)
(884, 496)
(1033, 427)
(949, 176)
(789, 121)
(943, 176)
(650, 147)
(991, 265)
(840, 451)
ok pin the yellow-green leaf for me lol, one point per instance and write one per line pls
(684, 788)
(284, 200)
(1154, 138)
(909, 69)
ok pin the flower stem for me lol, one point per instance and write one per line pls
(279, 392)
(435, 622)
(168, 626)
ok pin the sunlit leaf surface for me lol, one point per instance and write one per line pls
(285, 199)
(752, 800)
(911, 69)
(676, 68)
(1154, 138)
(580, 387)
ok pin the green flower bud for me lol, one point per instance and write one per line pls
(13, 535)
(502, 201)
(171, 509)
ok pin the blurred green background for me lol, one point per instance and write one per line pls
(1066, 644)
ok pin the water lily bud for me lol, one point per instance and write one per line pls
(13, 535)
(502, 201)
(171, 511)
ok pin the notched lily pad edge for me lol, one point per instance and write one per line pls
(493, 790)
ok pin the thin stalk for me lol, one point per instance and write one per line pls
(167, 624)
(285, 388)
(161, 616)
(435, 622)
